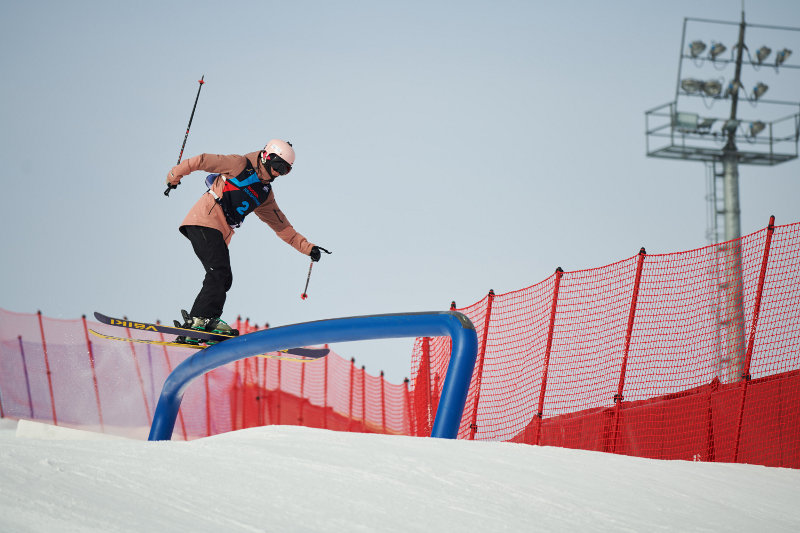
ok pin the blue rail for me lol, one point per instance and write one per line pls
(433, 324)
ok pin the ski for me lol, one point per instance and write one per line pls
(196, 334)
(301, 355)
(160, 328)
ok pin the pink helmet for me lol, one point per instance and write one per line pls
(282, 149)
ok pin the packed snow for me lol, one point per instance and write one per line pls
(287, 478)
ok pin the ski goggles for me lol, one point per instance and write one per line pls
(277, 163)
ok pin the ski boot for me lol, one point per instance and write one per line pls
(190, 323)
(212, 325)
(219, 326)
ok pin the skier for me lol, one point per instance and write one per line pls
(240, 185)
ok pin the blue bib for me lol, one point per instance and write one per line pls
(241, 195)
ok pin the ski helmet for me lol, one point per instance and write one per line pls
(279, 155)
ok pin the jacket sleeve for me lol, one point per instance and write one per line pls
(270, 213)
(230, 165)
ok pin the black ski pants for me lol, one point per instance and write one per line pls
(210, 247)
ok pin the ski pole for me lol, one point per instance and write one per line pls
(201, 82)
(305, 294)
(319, 249)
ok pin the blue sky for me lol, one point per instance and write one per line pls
(443, 149)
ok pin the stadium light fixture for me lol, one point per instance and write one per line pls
(759, 90)
(716, 50)
(782, 56)
(763, 53)
(696, 48)
(756, 128)
(712, 88)
(691, 85)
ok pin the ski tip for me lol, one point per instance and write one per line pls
(310, 353)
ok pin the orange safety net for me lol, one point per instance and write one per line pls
(691, 355)
(53, 370)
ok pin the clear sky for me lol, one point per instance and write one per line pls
(443, 149)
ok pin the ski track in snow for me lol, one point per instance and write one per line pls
(287, 478)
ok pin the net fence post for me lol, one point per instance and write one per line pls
(279, 390)
(628, 333)
(473, 427)
(363, 398)
(237, 388)
(270, 404)
(539, 412)
(350, 402)
(139, 375)
(383, 403)
(745, 377)
(27, 379)
(94, 372)
(325, 396)
(409, 411)
(264, 414)
(208, 406)
(47, 369)
(302, 394)
(245, 391)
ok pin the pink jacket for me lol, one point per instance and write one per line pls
(206, 212)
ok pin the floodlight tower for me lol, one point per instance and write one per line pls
(693, 138)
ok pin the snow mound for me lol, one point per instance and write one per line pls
(286, 478)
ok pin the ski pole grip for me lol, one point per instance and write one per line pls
(169, 188)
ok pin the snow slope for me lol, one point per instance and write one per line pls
(285, 478)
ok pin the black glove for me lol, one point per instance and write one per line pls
(315, 253)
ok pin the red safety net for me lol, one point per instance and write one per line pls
(53, 370)
(691, 355)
